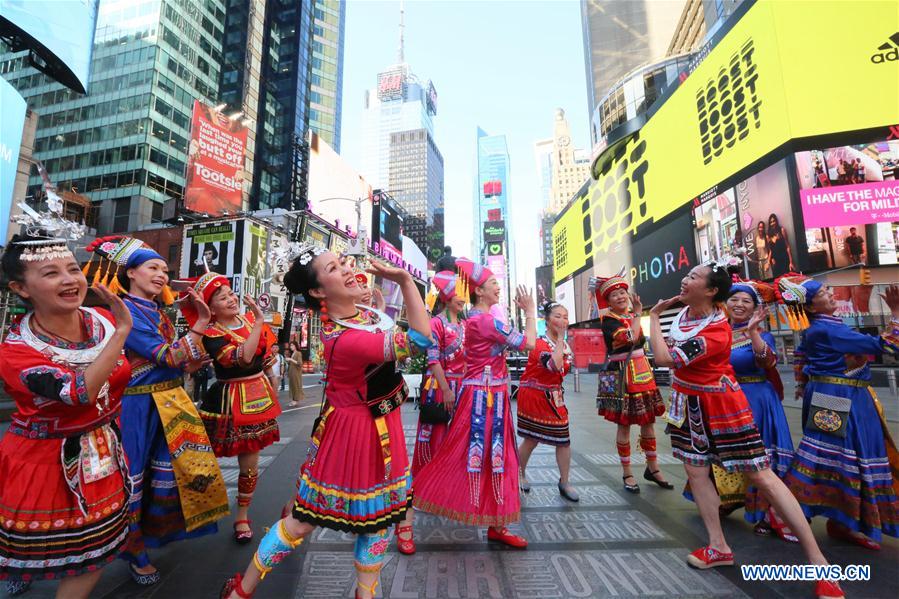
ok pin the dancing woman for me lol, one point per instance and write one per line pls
(446, 369)
(64, 484)
(356, 475)
(627, 393)
(846, 465)
(174, 498)
(542, 415)
(239, 410)
(710, 420)
(473, 479)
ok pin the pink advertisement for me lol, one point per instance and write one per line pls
(861, 203)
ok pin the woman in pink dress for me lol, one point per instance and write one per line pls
(446, 368)
(473, 478)
(356, 475)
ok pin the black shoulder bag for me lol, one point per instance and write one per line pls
(433, 412)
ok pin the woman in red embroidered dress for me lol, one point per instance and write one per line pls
(356, 474)
(627, 393)
(239, 410)
(446, 369)
(710, 420)
(64, 483)
(473, 479)
(542, 415)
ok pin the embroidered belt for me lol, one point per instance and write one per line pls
(155, 387)
(242, 379)
(722, 385)
(835, 380)
(538, 386)
(751, 379)
(637, 353)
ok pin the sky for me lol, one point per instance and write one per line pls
(503, 65)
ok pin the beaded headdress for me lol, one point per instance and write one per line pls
(117, 253)
(603, 286)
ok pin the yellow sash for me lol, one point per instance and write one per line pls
(200, 484)
(892, 452)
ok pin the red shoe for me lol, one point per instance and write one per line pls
(838, 531)
(406, 547)
(780, 527)
(707, 557)
(828, 589)
(242, 537)
(234, 585)
(506, 538)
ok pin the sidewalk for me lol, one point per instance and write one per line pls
(611, 544)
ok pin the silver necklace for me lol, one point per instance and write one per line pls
(679, 335)
(383, 322)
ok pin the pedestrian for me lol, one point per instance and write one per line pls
(446, 369)
(201, 382)
(473, 479)
(240, 408)
(279, 368)
(855, 244)
(356, 475)
(780, 254)
(859, 171)
(754, 359)
(162, 433)
(627, 393)
(845, 467)
(542, 414)
(64, 486)
(710, 419)
(446, 262)
(295, 374)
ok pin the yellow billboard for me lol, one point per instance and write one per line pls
(764, 84)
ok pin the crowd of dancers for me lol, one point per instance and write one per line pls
(107, 457)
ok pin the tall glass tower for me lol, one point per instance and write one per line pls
(125, 144)
(491, 203)
(326, 83)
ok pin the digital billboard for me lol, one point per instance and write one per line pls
(59, 34)
(850, 203)
(392, 85)
(215, 162)
(757, 91)
(11, 126)
(495, 230)
(334, 185)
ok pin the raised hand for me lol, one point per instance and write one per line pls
(636, 303)
(663, 305)
(758, 317)
(891, 297)
(254, 308)
(117, 308)
(378, 299)
(391, 273)
(525, 300)
(204, 314)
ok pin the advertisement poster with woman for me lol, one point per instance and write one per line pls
(850, 184)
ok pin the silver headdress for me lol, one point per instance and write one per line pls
(286, 253)
(48, 223)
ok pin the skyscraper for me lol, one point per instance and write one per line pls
(400, 103)
(570, 167)
(267, 69)
(492, 205)
(125, 144)
(416, 176)
(620, 36)
(326, 84)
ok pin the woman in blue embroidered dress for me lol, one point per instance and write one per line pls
(356, 475)
(177, 498)
(846, 465)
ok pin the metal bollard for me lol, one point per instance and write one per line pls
(577, 380)
(891, 377)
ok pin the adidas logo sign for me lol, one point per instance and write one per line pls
(890, 50)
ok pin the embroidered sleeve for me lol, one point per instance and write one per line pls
(689, 351)
(768, 358)
(502, 334)
(223, 350)
(54, 383)
(848, 341)
(439, 333)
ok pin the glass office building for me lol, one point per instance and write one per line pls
(124, 144)
(492, 199)
(326, 83)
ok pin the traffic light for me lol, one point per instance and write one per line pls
(865, 276)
